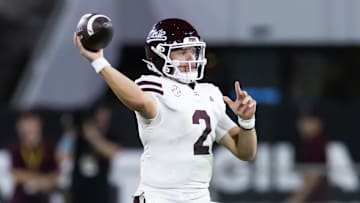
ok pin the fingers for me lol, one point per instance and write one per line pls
(244, 105)
(227, 100)
(237, 90)
(242, 97)
(252, 104)
(240, 94)
(77, 42)
(246, 100)
(248, 110)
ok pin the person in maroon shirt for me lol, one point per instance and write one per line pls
(34, 166)
(312, 160)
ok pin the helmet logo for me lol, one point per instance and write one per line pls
(156, 35)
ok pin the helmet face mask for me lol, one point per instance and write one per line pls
(171, 35)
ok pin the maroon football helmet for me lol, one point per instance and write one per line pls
(174, 34)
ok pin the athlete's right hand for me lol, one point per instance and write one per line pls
(89, 55)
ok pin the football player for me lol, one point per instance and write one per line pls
(178, 117)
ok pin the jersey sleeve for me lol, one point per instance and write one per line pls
(153, 86)
(225, 123)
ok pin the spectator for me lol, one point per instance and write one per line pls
(34, 166)
(93, 152)
(312, 159)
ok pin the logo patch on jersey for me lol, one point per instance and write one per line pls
(211, 99)
(156, 35)
(176, 90)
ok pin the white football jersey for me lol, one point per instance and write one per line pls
(178, 142)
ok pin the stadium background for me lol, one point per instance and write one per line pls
(285, 53)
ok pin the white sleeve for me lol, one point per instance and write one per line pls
(153, 121)
(223, 127)
(153, 86)
(225, 123)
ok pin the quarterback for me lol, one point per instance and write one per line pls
(179, 118)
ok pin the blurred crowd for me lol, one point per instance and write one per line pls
(75, 166)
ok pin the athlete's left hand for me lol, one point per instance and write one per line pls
(244, 105)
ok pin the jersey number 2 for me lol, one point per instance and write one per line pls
(199, 148)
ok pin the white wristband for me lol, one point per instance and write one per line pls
(247, 124)
(99, 64)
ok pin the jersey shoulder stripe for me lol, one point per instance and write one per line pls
(147, 82)
(148, 89)
(150, 84)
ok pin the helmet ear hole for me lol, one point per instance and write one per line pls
(160, 48)
(169, 70)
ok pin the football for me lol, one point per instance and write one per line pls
(95, 31)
